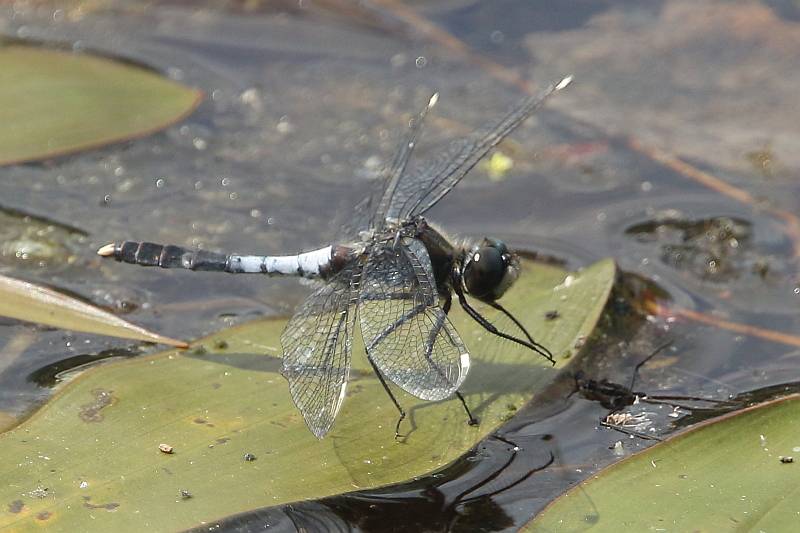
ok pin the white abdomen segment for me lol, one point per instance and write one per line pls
(306, 264)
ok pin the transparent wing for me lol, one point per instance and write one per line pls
(316, 349)
(406, 332)
(395, 171)
(423, 185)
(370, 212)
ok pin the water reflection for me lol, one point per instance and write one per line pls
(460, 497)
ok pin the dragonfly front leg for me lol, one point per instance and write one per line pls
(488, 326)
(448, 301)
(521, 327)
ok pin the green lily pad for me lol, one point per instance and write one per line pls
(90, 458)
(56, 102)
(26, 301)
(725, 475)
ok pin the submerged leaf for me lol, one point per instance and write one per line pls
(96, 444)
(27, 239)
(25, 301)
(56, 102)
(727, 474)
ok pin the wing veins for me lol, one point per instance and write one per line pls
(471, 150)
(317, 348)
(399, 163)
(411, 345)
(393, 327)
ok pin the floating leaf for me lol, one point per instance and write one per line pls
(26, 301)
(57, 102)
(723, 475)
(237, 441)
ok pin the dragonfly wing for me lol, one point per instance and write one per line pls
(317, 347)
(424, 184)
(407, 334)
(394, 173)
(371, 211)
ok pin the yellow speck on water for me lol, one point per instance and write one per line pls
(498, 166)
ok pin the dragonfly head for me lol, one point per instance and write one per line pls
(489, 270)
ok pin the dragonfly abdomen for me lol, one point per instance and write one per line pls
(313, 264)
(164, 256)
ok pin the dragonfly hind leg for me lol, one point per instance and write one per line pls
(400, 410)
(446, 304)
(471, 420)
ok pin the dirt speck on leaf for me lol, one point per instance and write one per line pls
(16, 506)
(107, 506)
(91, 412)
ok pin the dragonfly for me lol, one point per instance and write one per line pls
(396, 277)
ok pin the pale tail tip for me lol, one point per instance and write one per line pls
(563, 83)
(433, 100)
(107, 250)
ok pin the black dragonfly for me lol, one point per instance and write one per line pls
(397, 276)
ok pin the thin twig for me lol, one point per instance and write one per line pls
(738, 327)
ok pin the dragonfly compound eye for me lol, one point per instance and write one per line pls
(484, 272)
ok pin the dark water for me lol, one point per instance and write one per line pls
(303, 104)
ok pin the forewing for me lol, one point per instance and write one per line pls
(406, 332)
(423, 185)
(394, 173)
(317, 347)
(370, 212)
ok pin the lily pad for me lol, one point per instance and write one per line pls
(56, 102)
(726, 475)
(26, 301)
(237, 442)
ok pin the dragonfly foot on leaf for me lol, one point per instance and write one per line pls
(471, 420)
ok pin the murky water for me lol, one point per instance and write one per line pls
(302, 106)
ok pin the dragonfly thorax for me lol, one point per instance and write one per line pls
(394, 230)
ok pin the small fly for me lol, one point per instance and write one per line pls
(396, 278)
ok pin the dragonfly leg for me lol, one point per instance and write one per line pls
(448, 299)
(471, 420)
(391, 328)
(488, 326)
(385, 385)
(503, 310)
